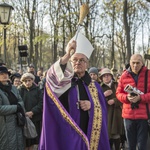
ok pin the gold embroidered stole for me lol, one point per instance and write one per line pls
(97, 118)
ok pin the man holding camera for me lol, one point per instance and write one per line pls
(134, 109)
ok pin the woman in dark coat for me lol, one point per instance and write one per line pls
(115, 121)
(11, 135)
(33, 101)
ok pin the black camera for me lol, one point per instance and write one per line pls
(133, 92)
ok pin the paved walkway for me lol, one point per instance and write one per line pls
(126, 146)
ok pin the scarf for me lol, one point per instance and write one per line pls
(7, 89)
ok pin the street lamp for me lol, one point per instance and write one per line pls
(5, 13)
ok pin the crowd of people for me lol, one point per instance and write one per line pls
(74, 107)
(19, 93)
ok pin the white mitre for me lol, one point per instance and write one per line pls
(83, 45)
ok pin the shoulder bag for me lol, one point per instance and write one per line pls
(30, 129)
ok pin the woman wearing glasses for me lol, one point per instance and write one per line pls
(115, 121)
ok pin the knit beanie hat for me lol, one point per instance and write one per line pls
(93, 70)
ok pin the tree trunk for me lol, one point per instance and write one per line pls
(113, 28)
(127, 30)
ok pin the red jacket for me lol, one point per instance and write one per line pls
(126, 78)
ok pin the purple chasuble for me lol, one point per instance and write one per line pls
(61, 131)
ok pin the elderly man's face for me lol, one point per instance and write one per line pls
(136, 63)
(79, 63)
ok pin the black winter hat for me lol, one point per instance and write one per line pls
(4, 70)
(15, 75)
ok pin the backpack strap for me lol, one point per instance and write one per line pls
(145, 91)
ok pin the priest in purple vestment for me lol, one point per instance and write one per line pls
(74, 113)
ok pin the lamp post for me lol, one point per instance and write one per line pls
(5, 13)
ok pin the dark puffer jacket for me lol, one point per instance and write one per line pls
(128, 112)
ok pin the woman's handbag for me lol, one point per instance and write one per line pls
(29, 129)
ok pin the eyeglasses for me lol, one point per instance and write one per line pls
(78, 60)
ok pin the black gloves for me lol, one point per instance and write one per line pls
(19, 108)
(135, 105)
(21, 120)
